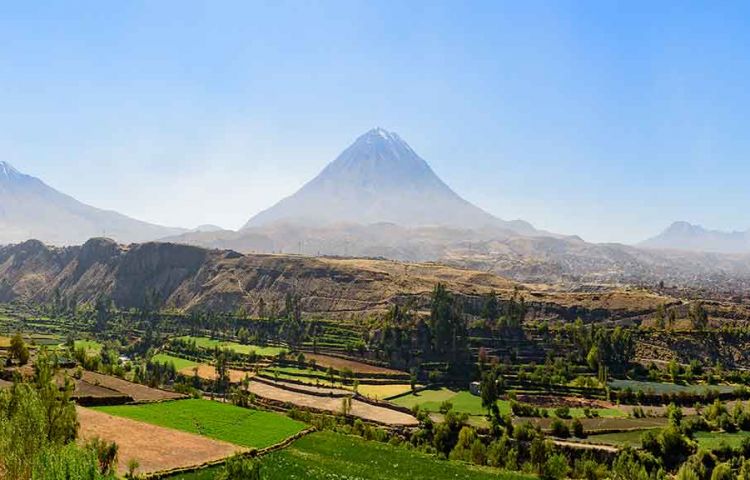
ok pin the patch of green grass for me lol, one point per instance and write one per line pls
(327, 455)
(179, 363)
(222, 421)
(210, 343)
(464, 402)
(92, 347)
(712, 440)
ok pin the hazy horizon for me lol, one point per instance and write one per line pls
(604, 121)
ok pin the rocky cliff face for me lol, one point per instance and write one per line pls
(193, 278)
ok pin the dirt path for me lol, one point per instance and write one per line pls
(155, 448)
(359, 409)
(586, 446)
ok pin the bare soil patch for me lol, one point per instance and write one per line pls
(156, 448)
(139, 393)
(89, 390)
(359, 409)
(208, 372)
(341, 363)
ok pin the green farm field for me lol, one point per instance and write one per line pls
(222, 421)
(210, 343)
(464, 402)
(327, 455)
(179, 363)
(712, 440)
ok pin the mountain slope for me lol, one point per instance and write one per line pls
(31, 209)
(192, 278)
(380, 179)
(685, 236)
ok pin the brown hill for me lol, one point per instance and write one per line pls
(193, 278)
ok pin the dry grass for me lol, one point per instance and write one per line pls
(341, 363)
(208, 372)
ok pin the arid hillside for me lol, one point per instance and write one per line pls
(193, 278)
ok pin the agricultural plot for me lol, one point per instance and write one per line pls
(713, 440)
(221, 421)
(155, 448)
(208, 372)
(356, 367)
(631, 438)
(179, 363)
(325, 455)
(86, 392)
(136, 391)
(464, 401)
(604, 424)
(660, 388)
(381, 392)
(210, 343)
(359, 409)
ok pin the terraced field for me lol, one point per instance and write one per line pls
(221, 421)
(328, 456)
(179, 363)
(210, 343)
(659, 387)
(464, 401)
(155, 448)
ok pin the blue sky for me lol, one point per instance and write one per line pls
(604, 119)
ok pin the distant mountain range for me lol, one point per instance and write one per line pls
(686, 236)
(29, 208)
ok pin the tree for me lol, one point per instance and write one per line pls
(671, 318)
(593, 358)
(556, 467)
(660, 317)
(490, 391)
(698, 316)
(491, 308)
(18, 350)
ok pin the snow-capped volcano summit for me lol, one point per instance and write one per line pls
(379, 178)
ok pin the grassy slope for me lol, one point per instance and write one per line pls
(327, 455)
(241, 426)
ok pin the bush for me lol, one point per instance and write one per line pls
(559, 429)
(555, 468)
(562, 412)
